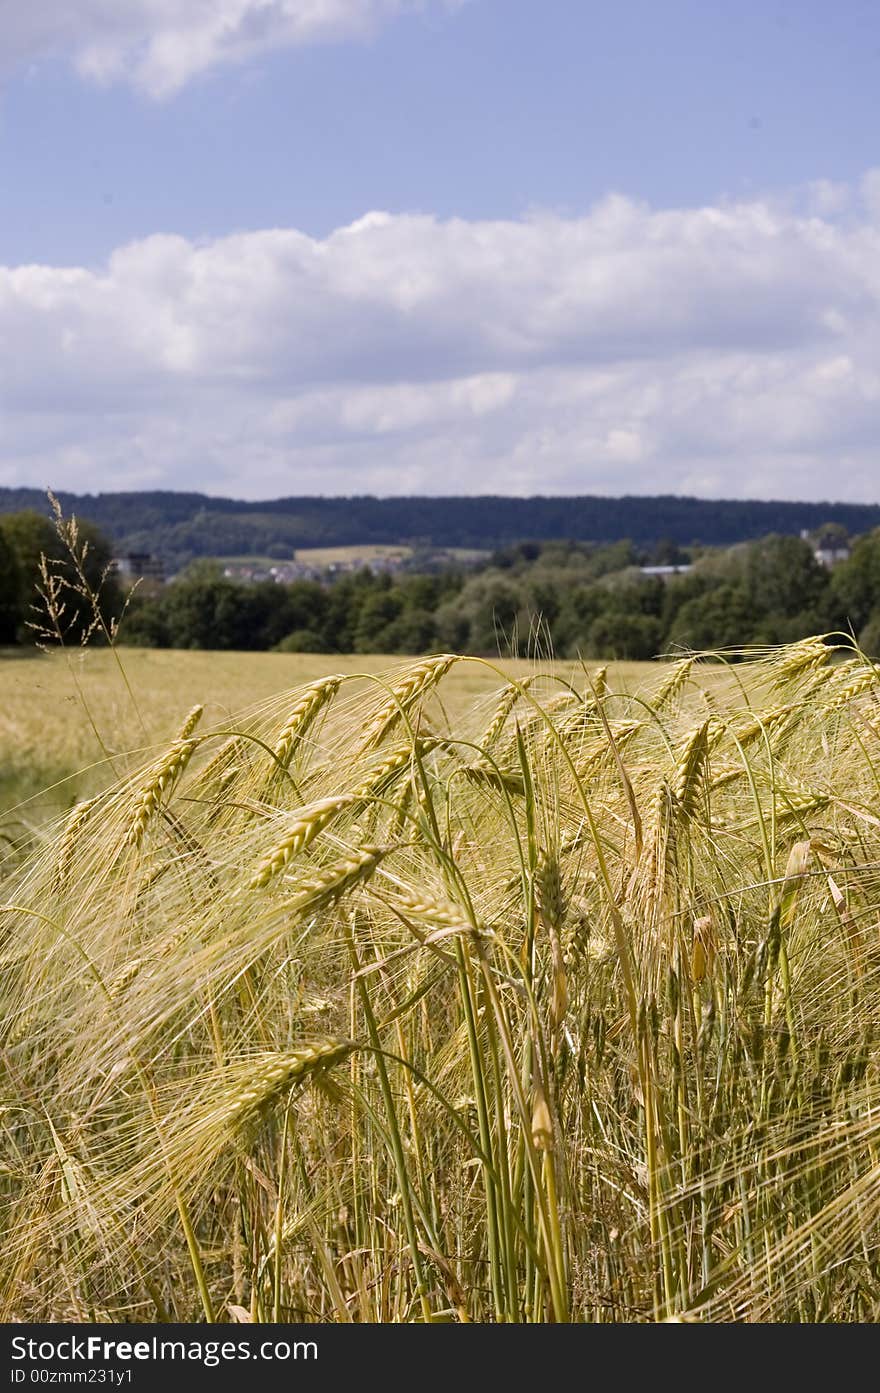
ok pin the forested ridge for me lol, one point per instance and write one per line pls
(179, 527)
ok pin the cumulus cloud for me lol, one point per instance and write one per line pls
(728, 351)
(159, 45)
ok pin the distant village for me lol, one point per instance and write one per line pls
(315, 564)
(138, 565)
(831, 546)
(285, 572)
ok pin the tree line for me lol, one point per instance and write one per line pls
(179, 527)
(533, 597)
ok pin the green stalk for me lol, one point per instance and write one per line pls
(403, 1178)
(489, 1183)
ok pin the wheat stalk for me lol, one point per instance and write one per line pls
(673, 682)
(799, 658)
(384, 775)
(258, 1083)
(552, 906)
(191, 721)
(689, 768)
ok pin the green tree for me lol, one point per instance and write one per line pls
(784, 578)
(302, 641)
(856, 582)
(453, 626)
(377, 612)
(146, 624)
(635, 637)
(205, 609)
(83, 579)
(869, 638)
(415, 631)
(10, 592)
(499, 616)
(722, 617)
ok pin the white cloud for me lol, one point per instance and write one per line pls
(160, 45)
(728, 350)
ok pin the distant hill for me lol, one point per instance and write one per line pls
(181, 526)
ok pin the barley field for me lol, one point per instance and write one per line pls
(455, 992)
(69, 718)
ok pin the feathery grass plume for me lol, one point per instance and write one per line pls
(162, 777)
(301, 831)
(312, 700)
(415, 683)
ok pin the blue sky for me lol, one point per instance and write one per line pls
(283, 246)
